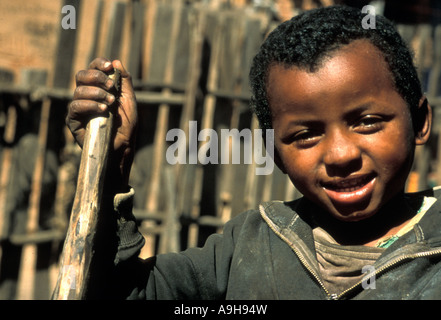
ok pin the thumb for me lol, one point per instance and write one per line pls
(126, 79)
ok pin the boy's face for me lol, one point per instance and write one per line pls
(343, 134)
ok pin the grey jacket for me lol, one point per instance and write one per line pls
(269, 254)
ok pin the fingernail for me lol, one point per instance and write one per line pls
(109, 83)
(110, 98)
(103, 106)
(107, 64)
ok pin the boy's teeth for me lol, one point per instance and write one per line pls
(347, 189)
(347, 185)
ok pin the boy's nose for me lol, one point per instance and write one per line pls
(341, 152)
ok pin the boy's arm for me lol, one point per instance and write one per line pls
(118, 272)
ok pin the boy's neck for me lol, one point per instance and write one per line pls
(387, 221)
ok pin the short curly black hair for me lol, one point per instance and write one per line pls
(306, 39)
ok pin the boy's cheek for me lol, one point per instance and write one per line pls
(303, 174)
(297, 164)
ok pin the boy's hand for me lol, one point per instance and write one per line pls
(92, 98)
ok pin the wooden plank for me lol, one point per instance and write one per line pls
(247, 41)
(136, 39)
(7, 167)
(25, 289)
(182, 58)
(152, 197)
(61, 79)
(169, 240)
(65, 51)
(148, 31)
(253, 40)
(36, 237)
(7, 164)
(162, 42)
(207, 122)
(96, 32)
(434, 94)
(251, 180)
(185, 173)
(435, 73)
(113, 48)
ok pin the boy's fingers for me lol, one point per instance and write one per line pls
(93, 77)
(80, 109)
(118, 65)
(101, 64)
(93, 93)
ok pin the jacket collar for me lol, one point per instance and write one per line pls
(290, 222)
(284, 220)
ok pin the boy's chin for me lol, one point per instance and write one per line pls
(352, 213)
(353, 216)
(344, 213)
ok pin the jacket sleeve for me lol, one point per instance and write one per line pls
(197, 273)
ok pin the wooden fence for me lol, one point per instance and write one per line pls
(190, 67)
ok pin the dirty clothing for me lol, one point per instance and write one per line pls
(270, 253)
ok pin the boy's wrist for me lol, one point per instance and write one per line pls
(130, 240)
(117, 180)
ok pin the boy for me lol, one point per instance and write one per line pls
(347, 111)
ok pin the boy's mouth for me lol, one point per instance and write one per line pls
(350, 190)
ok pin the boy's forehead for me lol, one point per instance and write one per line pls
(360, 46)
(358, 62)
(351, 71)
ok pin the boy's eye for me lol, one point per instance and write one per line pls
(306, 138)
(369, 124)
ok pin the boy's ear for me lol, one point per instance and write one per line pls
(422, 121)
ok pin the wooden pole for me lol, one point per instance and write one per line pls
(78, 247)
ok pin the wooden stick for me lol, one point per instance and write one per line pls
(64, 193)
(78, 246)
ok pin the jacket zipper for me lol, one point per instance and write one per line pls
(385, 267)
(311, 271)
(298, 254)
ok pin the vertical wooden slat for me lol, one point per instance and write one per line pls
(169, 241)
(251, 180)
(25, 290)
(61, 79)
(65, 51)
(113, 48)
(136, 39)
(207, 122)
(162, 122)
(433, 91)
(96, 32)
(197, 20)
(7, 168)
